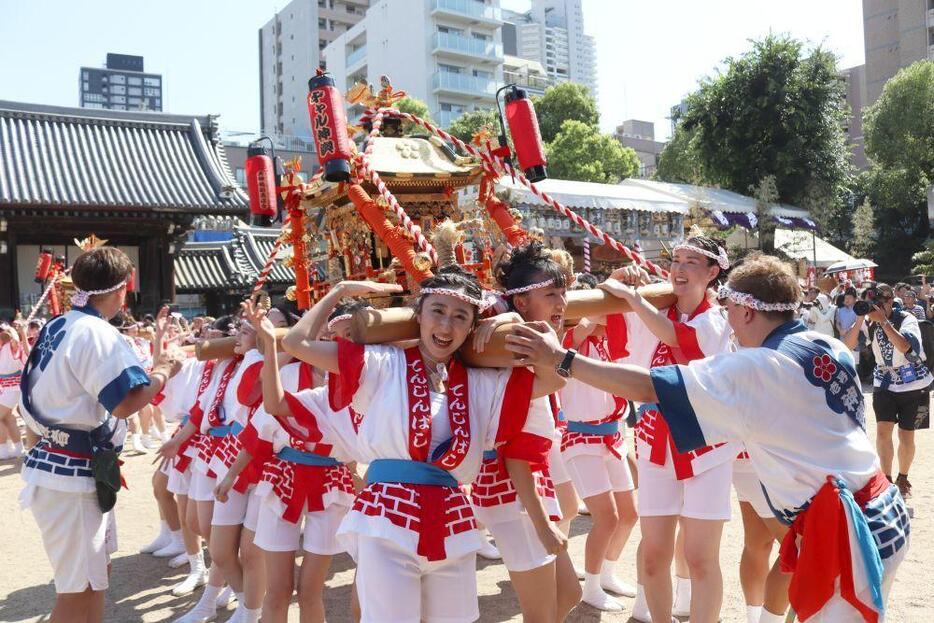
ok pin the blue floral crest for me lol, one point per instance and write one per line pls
(51, 337)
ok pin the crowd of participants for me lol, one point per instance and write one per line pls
(414, 463)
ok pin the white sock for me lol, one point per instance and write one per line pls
(209, 597)
(18, 447)
(176, 535)
(640, 608)
(164, 530)
(239, 598)
(768, 617)
(251, 616)
(196, 562)
(592, 584)
(753, 614)
(682, 602)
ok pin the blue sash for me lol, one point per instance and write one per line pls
(306, 458)
(408, 472)
(490, 455)
(226, 429)
(607, 428)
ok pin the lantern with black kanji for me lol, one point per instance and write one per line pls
(526, 137)
(43, 266)
(261, 179)
(329, 127)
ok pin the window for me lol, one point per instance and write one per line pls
(152, 82)
(93, 97)
(118, 107)
(93, 105)
(84, 75)
(134, 91)
(116, 79)
(150, 91)
(481, 36)
(322, 23)
(449, 30)
(134, 100)
(157, 103)
(479, 73)
(134, 80)
(85, 86)
(117, 99)
(451, 69)
(240, 175)
(453, 108)
(119, 90)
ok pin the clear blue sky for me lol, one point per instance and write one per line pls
(649, 53)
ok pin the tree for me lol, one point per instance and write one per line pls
(469, 123)
(777, 110)
(766, 194)
(580, 152)
(679, 161)
(864, 231)
(562, 102)
(416, 107)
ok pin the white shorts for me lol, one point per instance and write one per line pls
(9, 397)
(239, 509)
(556, 469)
(202, 487)
(749, 489)
(593, 475)
(78, 538)
(519, 544)
(179, 482)
(275, 534)
(394, 584)
(705, 496)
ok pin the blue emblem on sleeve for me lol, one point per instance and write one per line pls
(50, 339)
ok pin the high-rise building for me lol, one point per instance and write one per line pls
(552, 33)
(640, 136)
(855, 79)
(122, 84)
(896, 33)
(290, 46)
(447, 53)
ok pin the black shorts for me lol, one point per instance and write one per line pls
(910, 410)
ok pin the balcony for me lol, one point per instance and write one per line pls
(472, 10)
(466, 47)
(356, 56)
(445, 118)
(464, 84)
(536, 85)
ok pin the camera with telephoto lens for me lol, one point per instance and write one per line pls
(870, 301)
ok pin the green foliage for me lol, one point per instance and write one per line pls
(778, 111)
(864, 231)
(679, 161)
(899, 126)
(468, 124)
(766, 195)
(563, 102)
(417, 107)
(923, 261)
(580, 152)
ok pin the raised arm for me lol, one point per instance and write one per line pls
(273, 394)
(657, 322)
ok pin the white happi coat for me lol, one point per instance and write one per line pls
(242, 395)
(81, 369)
(380, 392)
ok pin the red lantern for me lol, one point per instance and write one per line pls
(523, 127)
(329, 127)
(261, 181)
(131, 282)
(43, 266)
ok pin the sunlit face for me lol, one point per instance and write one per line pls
(277, 318)
(444, 324)
(740, 318)
(691, 272)
(32, 332)
(245, 340)
(543, 304)
(849, 300)
(341, 329)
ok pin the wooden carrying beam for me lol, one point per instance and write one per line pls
(223, 347)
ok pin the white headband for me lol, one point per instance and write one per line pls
(722, 260)
(478, 303)
(529, 288)
(333, 321)
(747, 300)
(80, 297)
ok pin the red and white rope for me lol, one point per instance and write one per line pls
(363, 159)
(496, 165)
(586, 255)
(45, 294)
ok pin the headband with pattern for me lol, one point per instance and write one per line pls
(747, 300)
(80, 297)
(478, 303)
(720, 258)
(529, 288)
(333, 321)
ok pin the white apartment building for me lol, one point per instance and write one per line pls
(447, 53)
(552, 33)
(290, 47)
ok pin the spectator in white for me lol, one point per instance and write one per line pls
(900, 380)
(910, 304)
(845, 319)
(818, 311)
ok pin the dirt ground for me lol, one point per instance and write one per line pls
(140, 584)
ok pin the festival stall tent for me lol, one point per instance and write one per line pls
(638, 216)
(135, 179)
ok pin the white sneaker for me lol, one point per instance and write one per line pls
(136, 442)
(489, 551)
(602, 601)
(192, 581)
(173, 549)
(179, 561)
(614, 585)
(150, 443)
(199, 614)
(682, 599)
(226, 597)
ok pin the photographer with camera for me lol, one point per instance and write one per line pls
(900, 379)
(815, 313)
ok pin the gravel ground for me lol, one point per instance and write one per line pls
(140, 583)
